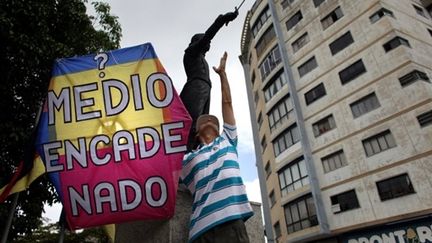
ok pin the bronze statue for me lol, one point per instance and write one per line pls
(196, 92)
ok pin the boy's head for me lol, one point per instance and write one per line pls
(207, 127)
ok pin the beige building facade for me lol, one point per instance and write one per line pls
(340, 97)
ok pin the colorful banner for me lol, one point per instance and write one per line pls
(112, 136)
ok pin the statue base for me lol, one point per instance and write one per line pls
(176, 229)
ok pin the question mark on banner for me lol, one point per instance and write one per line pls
(103, 60)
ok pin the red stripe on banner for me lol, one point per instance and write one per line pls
(165, 111)
(11, 184)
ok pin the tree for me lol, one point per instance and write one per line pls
(49, 233)
(32, 35)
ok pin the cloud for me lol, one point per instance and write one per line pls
(253, 190)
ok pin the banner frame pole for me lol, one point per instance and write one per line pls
(10, 218)
(16, 195)
(62, 232)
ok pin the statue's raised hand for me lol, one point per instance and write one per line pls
(230, 16)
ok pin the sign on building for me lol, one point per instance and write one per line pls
(418, 231)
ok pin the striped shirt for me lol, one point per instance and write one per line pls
(212, 175)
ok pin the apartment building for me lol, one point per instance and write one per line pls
(340, 96)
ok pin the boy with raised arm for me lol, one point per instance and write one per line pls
(212, 175)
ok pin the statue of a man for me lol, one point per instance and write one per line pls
(196, 92)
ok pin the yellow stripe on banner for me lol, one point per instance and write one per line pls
(129, 119)
(23, 183)
(110, 229)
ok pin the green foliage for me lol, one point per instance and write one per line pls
(32, 35)
(50, 234)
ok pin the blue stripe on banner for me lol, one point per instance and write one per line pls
(222, 184)
(203, 164)
(219, 205)
(65, 66)
(42, 138)
(243, 216)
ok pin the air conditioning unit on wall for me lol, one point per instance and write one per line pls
(336, 208)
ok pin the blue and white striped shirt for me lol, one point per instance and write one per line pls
(212, 175)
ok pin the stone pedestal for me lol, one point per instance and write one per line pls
(176, 229)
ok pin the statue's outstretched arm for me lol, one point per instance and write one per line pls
(202, 44)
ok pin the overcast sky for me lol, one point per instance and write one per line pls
(169, 26)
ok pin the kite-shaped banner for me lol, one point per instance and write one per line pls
(112, 135)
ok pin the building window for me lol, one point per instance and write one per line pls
(425, 119)
(263, 143)
(308, 66)
(364, 105)
(256, 97)
(286, 139)
(260, 120)
(293, 176)
(293, 21)
(396, 42)
(267, 169)
(279, 113)
(412, 77)
(315, 93)
(300, 214)
(263, 42)
(262, 18)
(255, 6)
(274, 86)
(341, 43)
(378, 143)
(272, 199)
(420, 11)
(277, 230)
(379, 14)
(300, 42)
(286, 3)
(352, 72)
(344, 202)
(395, 187)
(334, 161)
(324, 125)
(270, 62)
(253, 78)
(334, 16)
(317, 3)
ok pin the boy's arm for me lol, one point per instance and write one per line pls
(227, 108)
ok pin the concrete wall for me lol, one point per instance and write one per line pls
(176, 230)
